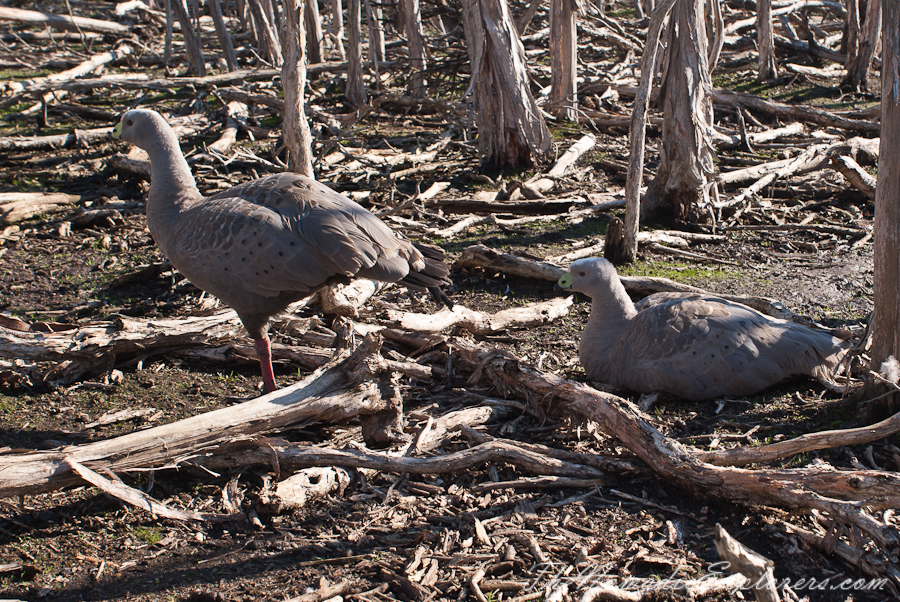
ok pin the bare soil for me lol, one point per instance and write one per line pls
(389, 534)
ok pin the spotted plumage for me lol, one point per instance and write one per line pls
(694, 346)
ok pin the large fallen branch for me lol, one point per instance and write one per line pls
(19, 206)
(348, 387)
(63, 22)
(480, 323)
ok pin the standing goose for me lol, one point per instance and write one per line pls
(262, 245)
(694, 346)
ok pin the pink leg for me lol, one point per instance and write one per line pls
(264, 351)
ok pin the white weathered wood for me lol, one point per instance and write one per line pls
(684, 178)
(858, 177)
(563, 58)
(237, 115)
(345, 388)
(63, 22)
(480, 323)
(297, 137)
(758, 570)
(765, 41)
(511, 129)
(18, 206)
(635, 176)
(15, 87)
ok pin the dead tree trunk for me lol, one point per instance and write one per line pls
(623, 248)
(511, 130)
(857, 78)
(336, 27)
(563, 57)
(886, 322)
(267, 39)
(215, 10)
(356, 92)
(313, 31)
(375, 19)
(196, 63)
(765, 40)
(415, 43)
(297, 137)
(851, 30)
(682, 183)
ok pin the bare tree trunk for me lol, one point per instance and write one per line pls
(375, 19)
(313, 31)
(718, 34)
(623, 249)
(196, 63)
(167, 48)
(415, 43)
(886, 322)
(563, 58)
(851, 38)
(858, 64)
(215, 10)
(265, 30)
(765, 40)
(511, 130)
(336, 27)
(356, 92)
(681, 186)
(297, 137)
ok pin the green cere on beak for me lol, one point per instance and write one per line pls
(566, 280)
(117, 131)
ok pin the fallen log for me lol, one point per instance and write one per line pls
(87, 66)
(19, 206)
(63, 22)
(75, 138)
(349, 386)
(538, 207)
(741, 456)
(858, 177)
(479, 323)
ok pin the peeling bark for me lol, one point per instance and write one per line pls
(511, 130)
(681, 188)
(563, 57)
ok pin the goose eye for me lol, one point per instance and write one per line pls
(129, 123)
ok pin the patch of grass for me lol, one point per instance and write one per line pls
(679, 272)
(150, 535)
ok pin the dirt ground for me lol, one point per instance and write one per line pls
(399, 537)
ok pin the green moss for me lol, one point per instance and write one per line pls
(150, 535)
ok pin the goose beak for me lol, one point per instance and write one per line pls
(564, 283)
(117, 131)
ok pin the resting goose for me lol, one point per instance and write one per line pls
(262, 245)
(693, 346)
